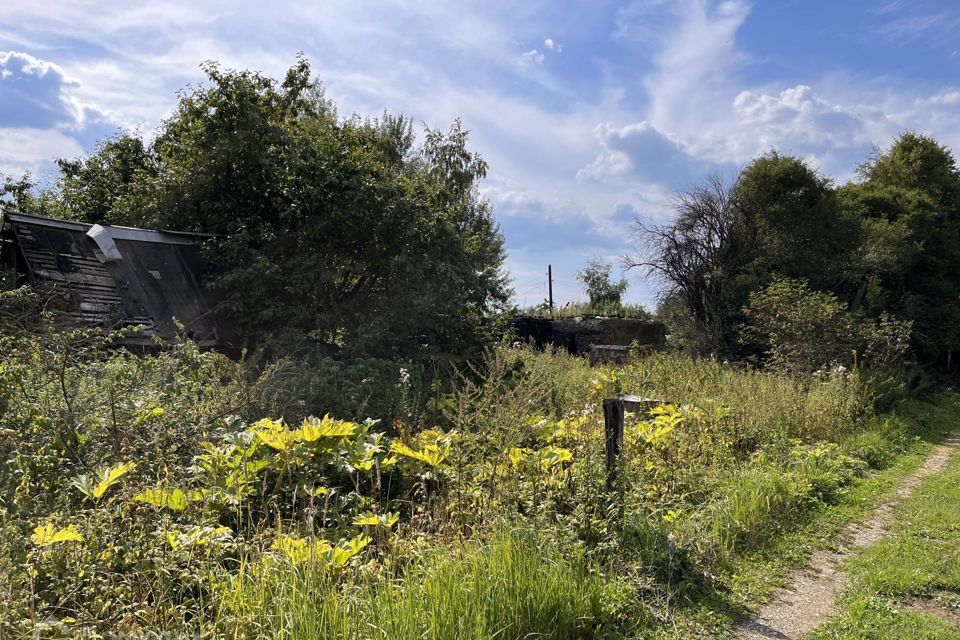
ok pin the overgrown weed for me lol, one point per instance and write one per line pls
(495, 519)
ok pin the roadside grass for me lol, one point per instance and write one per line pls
(900, 440)
(918, 561)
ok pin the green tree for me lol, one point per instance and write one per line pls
(780, 218)
(599, 285)
(908, 205)
(103, 187)
(803, 330)
(338, 229)
(789, 219)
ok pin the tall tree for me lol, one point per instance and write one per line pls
(908, 203)
(340, 229)
(694, 258)
(790, 216)
(779, 218)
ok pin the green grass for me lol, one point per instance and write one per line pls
(509, 588)
(919, 558)
(784, 542)
(704, 522)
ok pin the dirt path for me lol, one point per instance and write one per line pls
(793, 612)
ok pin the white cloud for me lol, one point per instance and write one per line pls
(25, 150)
(695, 92)
(640, 153)
(693, 54)
(552, 45)
(36, 93)
(41, 115)
(796, 118)
(532, 56)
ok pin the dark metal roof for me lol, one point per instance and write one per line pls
(116, 276)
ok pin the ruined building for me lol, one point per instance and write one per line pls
(114, 277)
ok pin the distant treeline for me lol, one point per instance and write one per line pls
(348, 231)
(781, 260)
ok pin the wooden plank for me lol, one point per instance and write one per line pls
(81, 278)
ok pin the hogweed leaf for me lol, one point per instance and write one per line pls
(312, 429)
(95, 490)
(518, 455)
(46, 535)
(173, 499)
(385, 521)
(433, 455)
(343, 552)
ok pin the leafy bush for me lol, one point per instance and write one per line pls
(805, 330)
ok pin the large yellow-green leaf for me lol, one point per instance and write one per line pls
(107, 478)
(278, 439)
(553, 456)
(312, 429)
(343, 552)
(384, 521)
(666, 418)
(299, 550)
(432, 455)
(173, 499)
(46, 535)
(517, 455)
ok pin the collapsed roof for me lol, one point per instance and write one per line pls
(115, 277)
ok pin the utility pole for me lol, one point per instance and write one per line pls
(550, 285)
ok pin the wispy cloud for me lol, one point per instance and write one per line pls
(934, 28)
(30, 150)
(920, 22)
(588, 112)
(533, 56)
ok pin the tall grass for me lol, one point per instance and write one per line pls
(751, 460)
(509, 588)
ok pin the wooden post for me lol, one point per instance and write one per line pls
(613, 430)
(613, 411)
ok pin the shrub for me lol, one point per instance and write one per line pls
(804, 330)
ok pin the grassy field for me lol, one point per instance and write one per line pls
(186, 494)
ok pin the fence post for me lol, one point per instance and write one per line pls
(613, 410)
(613, 430)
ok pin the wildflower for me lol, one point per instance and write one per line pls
(404, 377)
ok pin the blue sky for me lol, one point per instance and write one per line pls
(590, 113)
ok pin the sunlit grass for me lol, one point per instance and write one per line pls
(510, 588)
(920, 558)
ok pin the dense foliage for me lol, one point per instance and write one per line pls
(151, 493)
(337, 229)
(885, 247)
(805, 331)
(389, 493)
